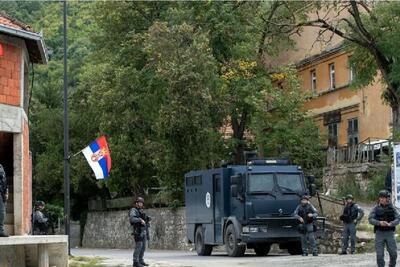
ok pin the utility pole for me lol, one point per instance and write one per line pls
(66, 137)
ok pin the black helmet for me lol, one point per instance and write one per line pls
(384, 193)
(349, 196)
(139, 199)
(39, 203)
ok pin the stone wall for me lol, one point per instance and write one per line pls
(111, 229)
(335, 174)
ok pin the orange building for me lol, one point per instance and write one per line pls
(345, 115)
(19, 48)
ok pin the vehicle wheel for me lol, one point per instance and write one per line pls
(201, 248)
(294, 248)
(262, 249)
(231, 242)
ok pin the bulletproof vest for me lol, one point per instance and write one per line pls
(384, 213)
(138, 227)
(350, 213)
(303, 211)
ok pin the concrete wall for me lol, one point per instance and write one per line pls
(112, 229)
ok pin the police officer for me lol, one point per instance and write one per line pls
(307, 214)
(40, 221)
(352, 214)
(3, 199)
(384, 217)
(139, 221)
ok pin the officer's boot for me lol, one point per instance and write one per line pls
(137, 264)
(143, 263)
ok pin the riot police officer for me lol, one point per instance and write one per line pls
(40, 221)
(307, 214)
(3, 199)
(384, 217)
(351, 215)
(139, 221)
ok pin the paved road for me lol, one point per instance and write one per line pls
(123, 258)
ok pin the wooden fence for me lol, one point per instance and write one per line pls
(367, 151)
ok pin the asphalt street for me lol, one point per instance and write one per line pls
(123, 258)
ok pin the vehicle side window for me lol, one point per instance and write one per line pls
(198, 180)
(217, 181)
(189, 181)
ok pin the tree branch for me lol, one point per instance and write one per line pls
(356, 15)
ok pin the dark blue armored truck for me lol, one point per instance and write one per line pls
(245, 206)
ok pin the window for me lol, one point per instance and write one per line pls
(352, 75)
(352, 132)
(189, 181)
(198, 180)
(351, 71)
(313, 74)
(217, 183)
(333, 135)
(261, 182)
(332, 82)
(289, 181)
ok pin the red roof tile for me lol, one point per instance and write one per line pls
(11, 22)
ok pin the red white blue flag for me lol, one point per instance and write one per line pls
(98, 156)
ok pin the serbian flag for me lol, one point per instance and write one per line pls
(97, 155)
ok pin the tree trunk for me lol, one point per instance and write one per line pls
(238, 128)
(396, 122)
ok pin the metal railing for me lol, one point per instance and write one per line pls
(369, 150)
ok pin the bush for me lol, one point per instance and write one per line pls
(376, 177)
(349, 185)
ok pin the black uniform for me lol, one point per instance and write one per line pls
(140, 233)
(385, 234)
(352, 214)
(40, 223)
(308, 228)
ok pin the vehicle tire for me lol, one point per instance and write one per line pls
(231, 242)
(262, 249)
(294, 248)
(201, 248)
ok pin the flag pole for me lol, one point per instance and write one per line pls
(66, 136)
(74, 155)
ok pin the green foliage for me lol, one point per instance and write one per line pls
(57, 212)
(376, 182)
(282, 128)
(349, 185)
(81, 261)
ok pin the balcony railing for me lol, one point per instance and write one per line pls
(370, 150)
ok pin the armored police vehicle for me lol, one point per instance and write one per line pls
(245, 206)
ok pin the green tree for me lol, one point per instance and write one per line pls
(282, 128)
(187, 126)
